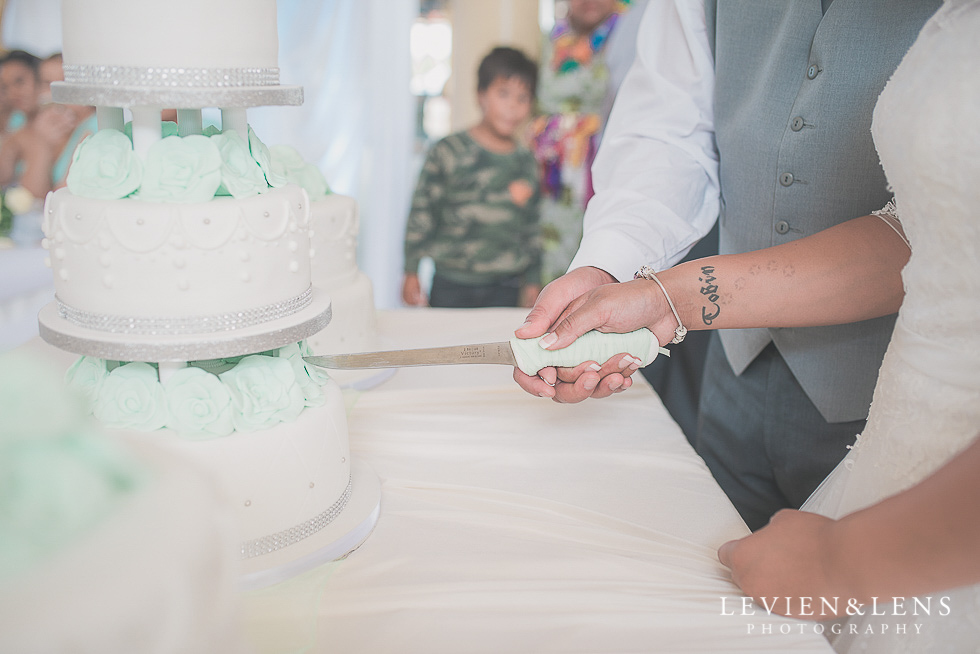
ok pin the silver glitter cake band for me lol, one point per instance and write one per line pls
(173, 77)
(188, 325)
(291, 536)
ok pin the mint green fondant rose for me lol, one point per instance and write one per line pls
(198, 402)
(104, 167)
(316, 373)
(179, 169)
(308, 381)
(211, 130)
(132, 398)
(288, 163)
(86, 376)
(263, 157)
(241, 176)
(263, 391)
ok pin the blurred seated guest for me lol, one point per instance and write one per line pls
(578, 84)
(38, 156)
(19, 88)
(475, 208)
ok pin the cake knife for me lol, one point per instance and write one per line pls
(525, 354)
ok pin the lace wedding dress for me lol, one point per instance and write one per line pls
(926, 406)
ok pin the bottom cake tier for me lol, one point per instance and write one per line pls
(298, 500)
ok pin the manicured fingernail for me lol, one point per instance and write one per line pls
(595, 367)
(547, 341)
(614, 385)
(635, 365)
(625, 361)
(590, 384)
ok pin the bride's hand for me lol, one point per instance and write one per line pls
(616, 308)
(793, 556)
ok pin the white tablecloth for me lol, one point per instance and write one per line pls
(25, 286)
(513, 524)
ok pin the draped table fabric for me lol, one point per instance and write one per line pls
(510, 523)
(25, 287)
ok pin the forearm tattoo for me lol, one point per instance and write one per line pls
(711, 310)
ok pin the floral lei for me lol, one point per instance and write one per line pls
(572, 50)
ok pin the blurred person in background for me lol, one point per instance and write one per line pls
(584, 60)
(475, 207)
(37, 157)
(19, 89)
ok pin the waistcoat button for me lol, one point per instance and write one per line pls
(797, 124)
(782, 227)
(786, 179)
(812, 71)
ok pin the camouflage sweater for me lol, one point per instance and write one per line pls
(475, 212)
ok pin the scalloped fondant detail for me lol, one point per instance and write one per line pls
(208, 227)
(139, 226)
(268, 216)
(80, 223)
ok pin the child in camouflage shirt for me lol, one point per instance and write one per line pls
(475, 208)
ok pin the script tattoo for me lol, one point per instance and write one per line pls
(710, 291)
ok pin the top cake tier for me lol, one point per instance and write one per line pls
(179, 53)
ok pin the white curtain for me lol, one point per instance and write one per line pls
(32, 25)
(357, 118)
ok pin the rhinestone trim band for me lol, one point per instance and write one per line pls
(170, 77)
(190, 325)
(291, 536)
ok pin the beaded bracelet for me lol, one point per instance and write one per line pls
(646, 272)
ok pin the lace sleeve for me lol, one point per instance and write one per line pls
(889, 215)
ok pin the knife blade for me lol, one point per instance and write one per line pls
(525, 354)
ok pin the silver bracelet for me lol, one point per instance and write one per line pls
(646, 272)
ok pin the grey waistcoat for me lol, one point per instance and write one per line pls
(794, 93)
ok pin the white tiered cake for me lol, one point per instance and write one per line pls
(182, 267)
(353, 327)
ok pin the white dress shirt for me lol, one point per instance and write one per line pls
(656, 173)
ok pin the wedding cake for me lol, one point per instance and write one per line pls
(184, 262)
(353, 327)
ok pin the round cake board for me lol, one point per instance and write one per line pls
(189, 97)
(335, 541)
(269, 335)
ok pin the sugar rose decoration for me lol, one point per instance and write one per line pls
(179, 169)
(104, 167)
(260, 152)
(132, 398)
(308, 378)
(263, 391)
(241, 175)
(198, 403)
(289, 164)
(86, 377)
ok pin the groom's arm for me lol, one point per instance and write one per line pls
(843, 274)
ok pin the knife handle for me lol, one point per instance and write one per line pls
(591, 346)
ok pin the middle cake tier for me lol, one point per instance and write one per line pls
(129, 266)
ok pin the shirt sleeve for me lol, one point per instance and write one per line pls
(423, 219)
(656, 172)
